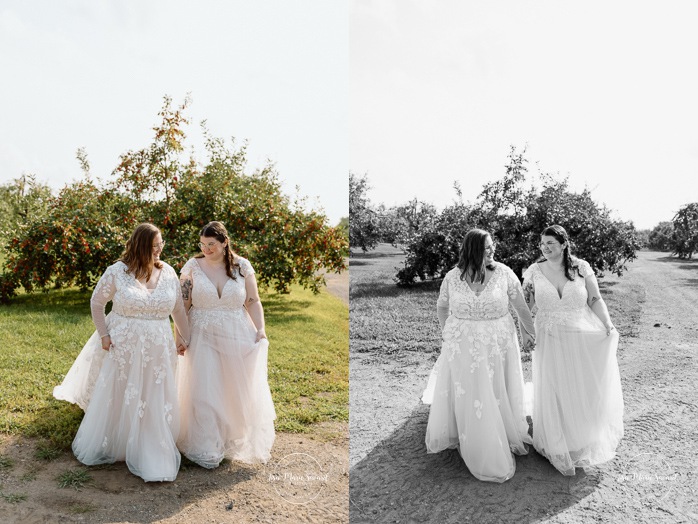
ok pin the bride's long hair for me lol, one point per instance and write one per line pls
(471, 261)
(217, 230)
(569, 263)
(138, 255)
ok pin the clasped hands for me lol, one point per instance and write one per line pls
(181, 345)
(529, 341)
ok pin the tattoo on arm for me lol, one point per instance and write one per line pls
(186, 289)
(252, 300)
(528, 292)
(594, 299)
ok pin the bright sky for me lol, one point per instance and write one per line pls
(93, 73)
(605, 92)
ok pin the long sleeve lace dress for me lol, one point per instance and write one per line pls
(129, 392)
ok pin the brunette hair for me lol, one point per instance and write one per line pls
(570, 263)
(471, 259)
(138, 255)
(217, 230)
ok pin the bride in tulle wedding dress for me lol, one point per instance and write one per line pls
(577, 401)
(225, 401)
(476, 388)
(124, 378)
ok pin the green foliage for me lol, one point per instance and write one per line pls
(83, 231)
(515, 214)
(433, 249)
(400, 224)
(284, 242)
(343, 227)
(84, 228)
(21, 200)
(364, 227)
(685, 235)
(643, 237)
(660, 238)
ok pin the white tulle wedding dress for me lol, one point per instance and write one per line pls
(578, 403)
(225, 401)
(476, 388)
(129, 393)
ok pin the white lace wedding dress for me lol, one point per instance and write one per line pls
(226, 405)
(476, 388)
(129, 393)
(577, 400)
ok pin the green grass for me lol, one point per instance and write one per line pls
(6, 463)
(29, 476)
(387, 320)
(47, 451)
(74, 478)
(308, 358)
(13, 498)
(42, 333)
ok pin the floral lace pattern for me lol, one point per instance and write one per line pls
(492, 302)
(131, 299)
(129, 392)
(553, 309)
(578, 403)
(205, 295)
(476, 386)
(226, 366)
(574, 293)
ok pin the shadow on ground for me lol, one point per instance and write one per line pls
(688, 263)
(399, 482)
(390, 252)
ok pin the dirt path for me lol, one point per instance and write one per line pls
(652, 479)
(338, 285)
(258, 493)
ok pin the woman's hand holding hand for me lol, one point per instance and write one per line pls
(529, 342)
(181, 346)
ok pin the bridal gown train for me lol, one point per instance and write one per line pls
(226, 405)
(577, 399)
(128, 393)
(476, 388)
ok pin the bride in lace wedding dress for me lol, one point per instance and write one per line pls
(124, 378)
(226, 405)
(577, 401)
(476, 388)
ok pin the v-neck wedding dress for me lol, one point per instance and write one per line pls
(476, 388)
(129, 392)
(577, 400)
(226, 406)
